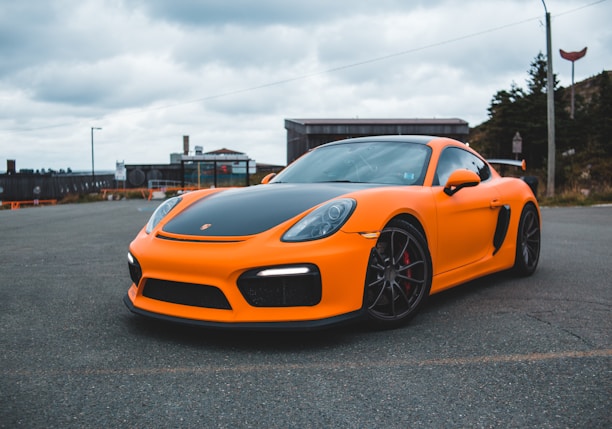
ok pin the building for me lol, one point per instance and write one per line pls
(222, 167)
(306, 134)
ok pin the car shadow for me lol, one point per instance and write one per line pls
(453, 297)
(178, 333)
(336, 336)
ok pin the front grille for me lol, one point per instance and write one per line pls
(195, 295)
(281, 291)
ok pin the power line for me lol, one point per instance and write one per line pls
(343, 67)
(323, 72)
(364, 62)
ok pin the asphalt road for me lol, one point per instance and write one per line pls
(497, 352)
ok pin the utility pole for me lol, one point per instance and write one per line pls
(550, 92)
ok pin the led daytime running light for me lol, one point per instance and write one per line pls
(289, 271)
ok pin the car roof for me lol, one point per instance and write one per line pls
(419, 139)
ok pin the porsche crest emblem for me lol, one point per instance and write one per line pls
(205, 226)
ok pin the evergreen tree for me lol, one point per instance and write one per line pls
(583, 144)
(535, 119)
(538, 72)
(603, 113)
(504, 114)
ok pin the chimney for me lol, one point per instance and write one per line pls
(10, 166)
(185, 145)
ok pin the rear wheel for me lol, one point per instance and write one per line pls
(528, 242)
(398, 278)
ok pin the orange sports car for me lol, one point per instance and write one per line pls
(359, 228)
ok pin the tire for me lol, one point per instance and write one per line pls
(398, 278)
(527, 242)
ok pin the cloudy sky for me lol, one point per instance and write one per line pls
(228, 72)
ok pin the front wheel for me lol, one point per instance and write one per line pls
(527, 242)
(399, 275)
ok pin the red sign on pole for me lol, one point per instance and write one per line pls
(573, 56)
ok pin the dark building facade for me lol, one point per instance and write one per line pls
(305, 134)
(29, 185)
(139, 175)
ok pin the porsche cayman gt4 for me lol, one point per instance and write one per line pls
(359, 228)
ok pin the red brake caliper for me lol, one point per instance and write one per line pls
(406, 260)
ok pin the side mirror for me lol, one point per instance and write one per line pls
(267, 178)
(460, 179)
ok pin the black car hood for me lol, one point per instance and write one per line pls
(251, 210)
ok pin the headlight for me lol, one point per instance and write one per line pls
(161, 212)
(321, 222)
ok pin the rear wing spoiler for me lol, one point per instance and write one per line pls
(515, 163)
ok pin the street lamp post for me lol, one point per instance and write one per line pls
(550, 92)
(93, 173)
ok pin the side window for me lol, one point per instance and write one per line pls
(454, 158)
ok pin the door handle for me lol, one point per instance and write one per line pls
(495, 204)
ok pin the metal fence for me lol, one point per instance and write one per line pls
(33, 186)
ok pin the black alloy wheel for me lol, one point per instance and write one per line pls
(528, 242)
(399, 274)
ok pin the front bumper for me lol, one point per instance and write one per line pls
(340, 261)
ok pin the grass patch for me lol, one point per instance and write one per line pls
(578, 198)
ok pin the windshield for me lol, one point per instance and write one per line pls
(393, 163)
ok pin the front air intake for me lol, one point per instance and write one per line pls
(191, 294)
(287, 289)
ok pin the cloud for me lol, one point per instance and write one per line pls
(266, 12)
(229, 73)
